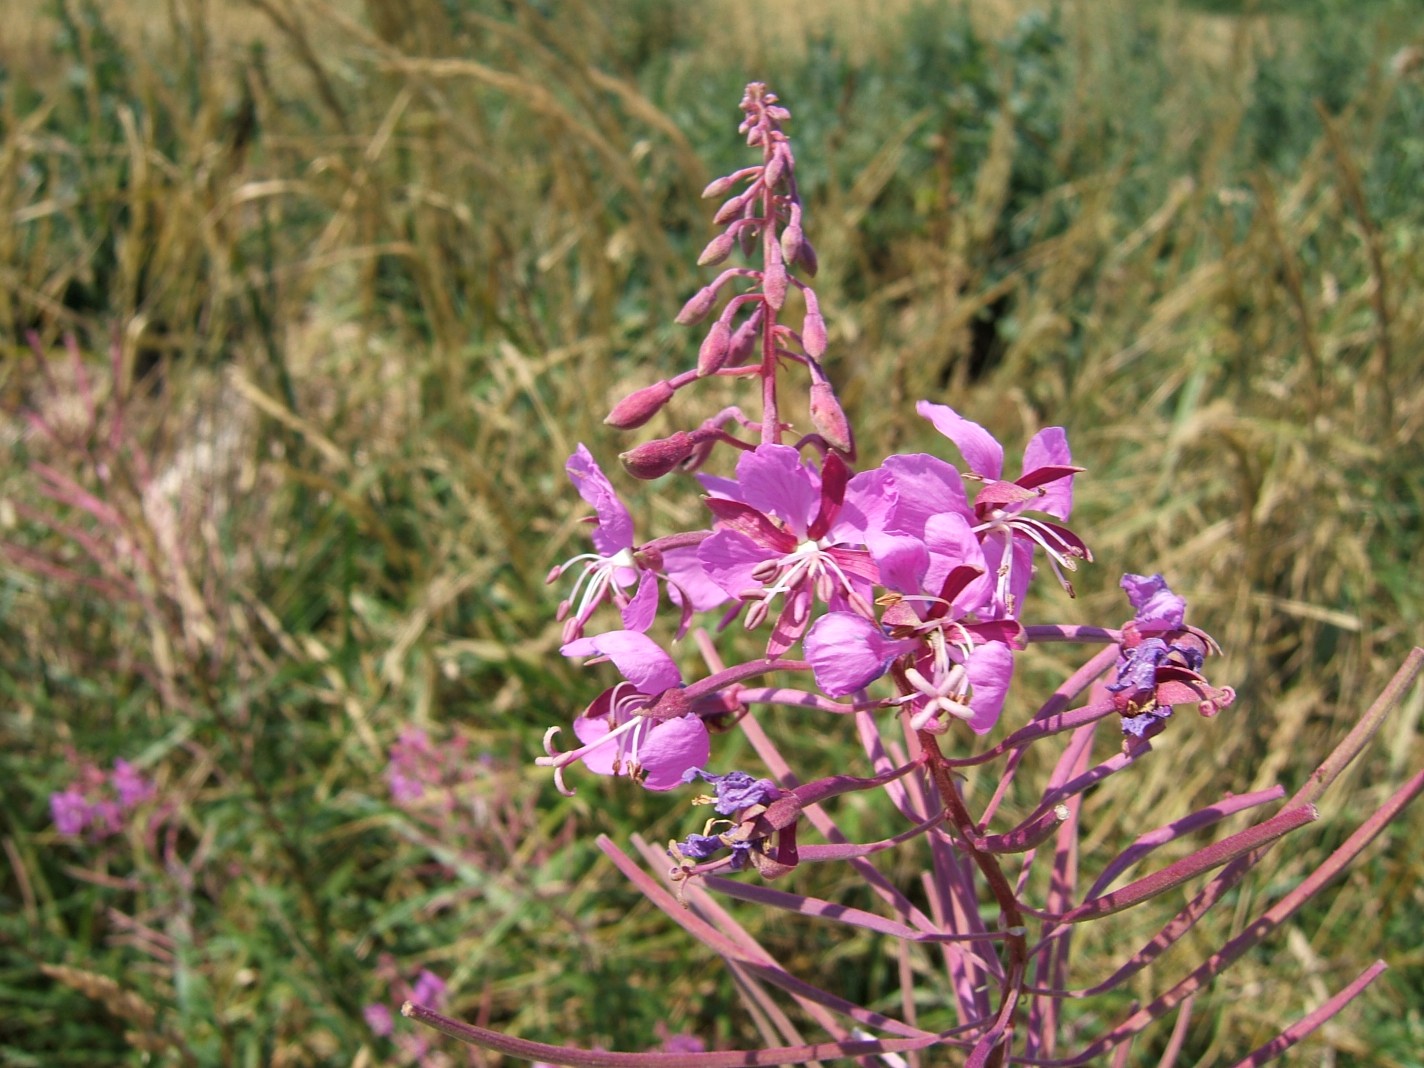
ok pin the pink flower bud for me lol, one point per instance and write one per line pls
(697, 307)
(813, 327)
(655, 458)
(718, 249)
(639, 406)
(712, 356)
(719, 186)
(829, 420)
(732, 208)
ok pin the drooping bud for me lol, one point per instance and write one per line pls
(806, 256)
(655, 458)
(639, 406)
(829, 419)
(718, 249)
(813, 327)
(712, 356)
(719, 186)
(792, 236)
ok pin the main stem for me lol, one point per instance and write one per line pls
(770, 416)
(990, 1050)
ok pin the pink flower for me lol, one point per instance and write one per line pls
(618, 564)
(1007, 533)
(785, 530)
(639, 727)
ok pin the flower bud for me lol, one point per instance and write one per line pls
(719, 186)
(718, 249)
(697, 307)
(732, 208)
(712, 356)
(773, 279)
(813, 327)
(655, 458)
(744, 340)
(639, 406)
(806, 256)
(829, 420)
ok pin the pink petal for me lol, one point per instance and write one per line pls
(990, 670)
(670, 748)
(690, 580)
(847, 652)
(642, 607)
(1049, 448)
(641, 660)
(983, 454)
(924, 486)
(615, 526)
(728, 558)
(774, 479)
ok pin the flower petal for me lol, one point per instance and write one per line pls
(847, 652)
(670, 748)
(774, 479)
(990, 669)
(1049, 448)
(641, 660)
(983, 454)
(614, 531)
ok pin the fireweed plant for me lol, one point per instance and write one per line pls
(890, 597)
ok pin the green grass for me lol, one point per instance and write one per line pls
(372, 272)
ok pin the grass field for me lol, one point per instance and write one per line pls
(323, 293)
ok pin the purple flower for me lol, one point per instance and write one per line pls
(378, 1019)
(132, 788)
(945, 669)
(637, 728)
(70, 811)
(1008, 534)
(785, 530)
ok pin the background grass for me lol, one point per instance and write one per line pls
(371, 270)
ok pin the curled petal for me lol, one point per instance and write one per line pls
(615, 526)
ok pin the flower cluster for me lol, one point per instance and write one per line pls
(96, 804)
(891, 599)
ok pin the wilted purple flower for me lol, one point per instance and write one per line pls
(1160, 660)
(637, 728)
(735, 790)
